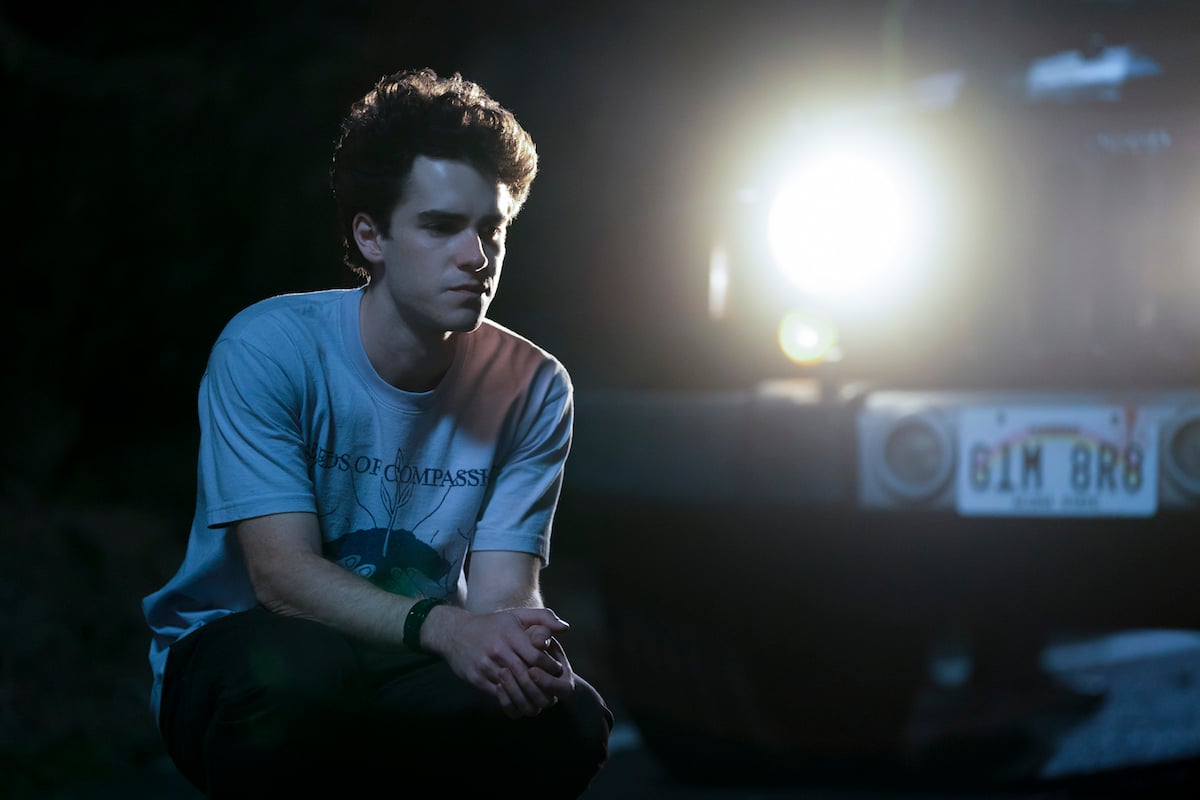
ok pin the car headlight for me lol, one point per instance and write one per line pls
(853, 218)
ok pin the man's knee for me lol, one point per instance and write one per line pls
(591, 723)
(290, 669)
(573, 737)
(250, 684)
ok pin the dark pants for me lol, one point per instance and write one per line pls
(256, 704)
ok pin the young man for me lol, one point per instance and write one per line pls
(359, 603)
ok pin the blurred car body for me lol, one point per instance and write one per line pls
(1006, 439)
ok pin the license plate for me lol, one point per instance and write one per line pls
(1069, 461)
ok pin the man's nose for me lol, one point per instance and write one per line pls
(472, 253)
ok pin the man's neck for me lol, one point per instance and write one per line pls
(400, 356)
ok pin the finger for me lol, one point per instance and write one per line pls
(546, 658)
(550, 665)
(555, 650)
(540, 635)
(566, 677)
(554, 687)
(518, 701)
(513, 704)
(531, 648)
(506, 704)
(540, 616)
(530, 683)
(533, 658)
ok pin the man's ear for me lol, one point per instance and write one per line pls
(368, 237)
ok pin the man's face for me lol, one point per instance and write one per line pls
(442, 257)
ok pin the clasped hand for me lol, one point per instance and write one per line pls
(514, 656)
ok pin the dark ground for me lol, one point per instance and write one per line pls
(74, 725)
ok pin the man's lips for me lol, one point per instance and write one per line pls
(471, 288)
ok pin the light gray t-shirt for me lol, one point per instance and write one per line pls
(293, 417)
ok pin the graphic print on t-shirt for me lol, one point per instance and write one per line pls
(399, 551)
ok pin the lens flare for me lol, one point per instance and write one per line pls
(807, 337)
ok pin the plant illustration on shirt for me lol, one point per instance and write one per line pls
(392, 556)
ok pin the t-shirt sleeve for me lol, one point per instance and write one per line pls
(523, 493)
(252, 451)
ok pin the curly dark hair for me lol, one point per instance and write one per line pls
(417, 112)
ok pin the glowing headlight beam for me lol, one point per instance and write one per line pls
(851, 219)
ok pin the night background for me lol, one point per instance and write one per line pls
(167, 165)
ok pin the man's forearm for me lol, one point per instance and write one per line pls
(292, 577)
(315, 588)
(501, 579)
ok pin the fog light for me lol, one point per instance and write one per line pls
(808, 337)
(917, 457)
(1181, 451)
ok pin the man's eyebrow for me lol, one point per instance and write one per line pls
(435, 215)
(439, 216)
